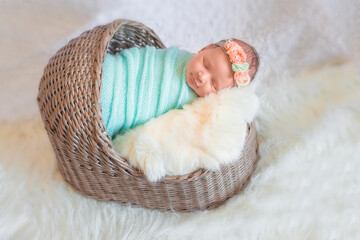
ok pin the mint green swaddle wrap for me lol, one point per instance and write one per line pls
(139, 84)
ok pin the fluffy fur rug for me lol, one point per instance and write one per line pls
(205, 134)
(306, 184)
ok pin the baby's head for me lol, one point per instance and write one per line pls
(225, 64)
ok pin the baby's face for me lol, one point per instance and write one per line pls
(209, 71)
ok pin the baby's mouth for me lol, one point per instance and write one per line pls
(194, 81)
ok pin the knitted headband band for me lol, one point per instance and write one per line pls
(237, 57)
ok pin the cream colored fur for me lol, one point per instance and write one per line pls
(204, 134)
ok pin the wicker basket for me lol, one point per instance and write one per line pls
(69, 102)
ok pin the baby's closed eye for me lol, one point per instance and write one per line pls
(206, 64)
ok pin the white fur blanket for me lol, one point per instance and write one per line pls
(205, 134)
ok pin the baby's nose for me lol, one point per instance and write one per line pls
(202, 77)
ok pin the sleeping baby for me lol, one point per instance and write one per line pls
(140, 85)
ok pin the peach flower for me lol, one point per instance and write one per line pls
(230, 44)
(237, 55)
(242, 78)
(235, 52)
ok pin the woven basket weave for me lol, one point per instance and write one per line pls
(69, 102)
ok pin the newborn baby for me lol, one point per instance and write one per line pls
(205, 133)
(221, 65)
(140, 84)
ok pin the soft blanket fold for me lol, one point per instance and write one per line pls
(139, 84)
(215, 133)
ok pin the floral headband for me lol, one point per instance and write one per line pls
(237, 57)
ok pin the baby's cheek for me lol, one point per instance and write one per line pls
(208, 91)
